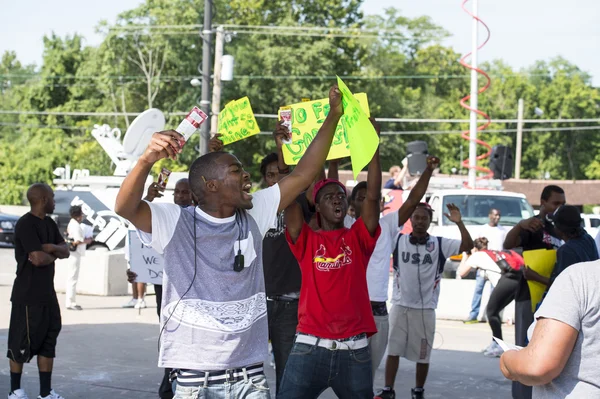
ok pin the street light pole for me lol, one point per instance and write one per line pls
(206, 69)
(473, 102)
(519, 139)
(216, 94)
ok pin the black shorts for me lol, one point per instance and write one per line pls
(33, 331)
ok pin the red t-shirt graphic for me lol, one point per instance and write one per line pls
(334, 298)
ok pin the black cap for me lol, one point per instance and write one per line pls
(567, 216)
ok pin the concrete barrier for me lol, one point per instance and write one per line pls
(102, 272)
(17, 210)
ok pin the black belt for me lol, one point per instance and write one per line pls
(281, 298)
(196, 378)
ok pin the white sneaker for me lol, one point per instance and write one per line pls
(18, 394)
(494, 351)
(489, 347)
(53, 395)
(131, 304)
(141, 304)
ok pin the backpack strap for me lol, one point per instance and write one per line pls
(396, 255)
(441, 256)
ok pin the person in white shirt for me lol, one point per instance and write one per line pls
(495, 234)
(419, 261)
(76, 235)
(378, 270)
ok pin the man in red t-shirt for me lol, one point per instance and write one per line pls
(334, 313)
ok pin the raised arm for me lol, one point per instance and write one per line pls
(418, 192)
(294, 220)
(154, 191)
(333, 172)
(544, 358)
(466, 241)
(371, 205)
(129, 202)
(281, 133)
(313, 159)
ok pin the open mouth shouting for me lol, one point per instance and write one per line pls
(246, 191)
(338, 211)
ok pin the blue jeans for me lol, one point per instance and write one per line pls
(476, 302)
(254, 387)
(310, 370)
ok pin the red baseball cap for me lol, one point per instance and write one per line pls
(322, 183)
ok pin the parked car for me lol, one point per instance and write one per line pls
(590, 223)
(475, 206)
(7, 230)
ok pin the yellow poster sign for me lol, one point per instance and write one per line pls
(362, 136)
(541, 261)
(307, 118)
(237, 121)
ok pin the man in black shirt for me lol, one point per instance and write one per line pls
(535, 233)
(35, 317)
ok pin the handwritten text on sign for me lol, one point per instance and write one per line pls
(307, 118)
(144, 261)
(237, 121)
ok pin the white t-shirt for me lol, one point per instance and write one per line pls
(378, 270)
(348, 221)
(495, 236)
(424, 264)
(167, 215)
(482, 261)
(75, 232)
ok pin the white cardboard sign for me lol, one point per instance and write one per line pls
(144, 261)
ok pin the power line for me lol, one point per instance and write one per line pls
(274, 116)
(388, 133)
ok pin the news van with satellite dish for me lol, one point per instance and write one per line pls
(97, 194)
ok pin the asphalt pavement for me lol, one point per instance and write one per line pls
(108, 352)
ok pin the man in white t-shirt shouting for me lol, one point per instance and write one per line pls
(419, 262)
(214, 310)
(495, 235)
(378, 270)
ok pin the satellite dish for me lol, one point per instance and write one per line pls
(141, 130)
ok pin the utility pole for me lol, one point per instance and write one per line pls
(206, 69)
(473, 103)
(519, 139)
(216, 94)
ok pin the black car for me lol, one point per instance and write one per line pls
(7, 230)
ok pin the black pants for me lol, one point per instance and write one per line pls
(283, 321)
(504, 292)
(165, 390)
(523, 319)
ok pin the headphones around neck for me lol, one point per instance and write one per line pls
(418, 240)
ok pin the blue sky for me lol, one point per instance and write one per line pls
(523, 31)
